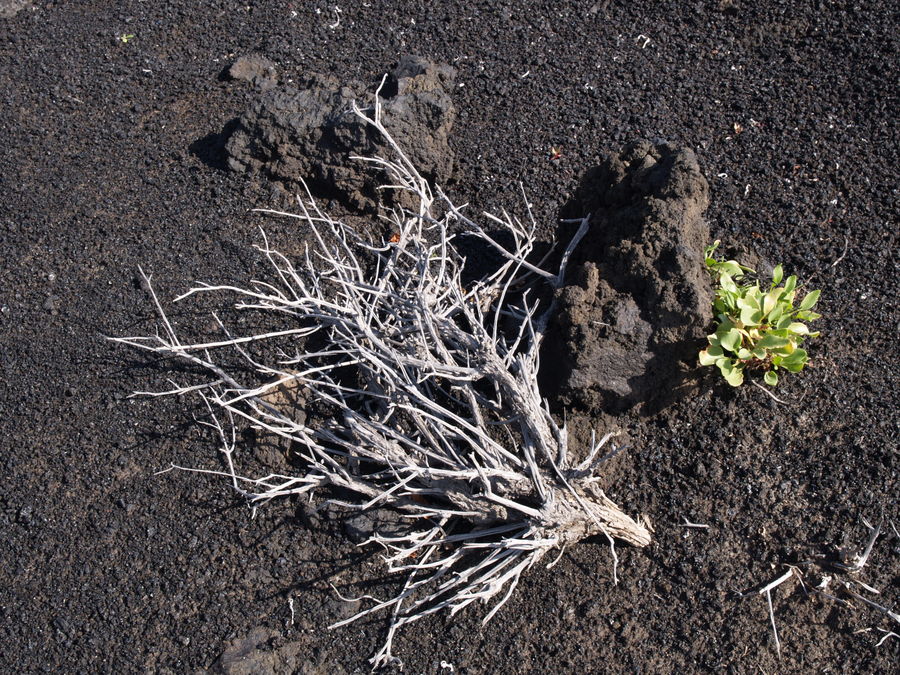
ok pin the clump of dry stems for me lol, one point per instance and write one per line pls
(434, 384)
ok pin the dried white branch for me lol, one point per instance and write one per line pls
(894, 616)
(843, 253)
(699, 526)
(775, 583)
(887, 634)
(818, 583)
(768, 393)
(421, 373)
(859, 561)
(768, 592)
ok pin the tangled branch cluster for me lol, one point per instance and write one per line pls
(434, 384)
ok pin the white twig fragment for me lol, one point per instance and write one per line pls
(859, 561)
(777, 582)
(337, 14)
(844, 253)
(866, 586)
(769, 393)
(552, 564)
(887, 634)
(768, 592)
(688, 523)
(894, 616)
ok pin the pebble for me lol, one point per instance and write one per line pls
(51, 304)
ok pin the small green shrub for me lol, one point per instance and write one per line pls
(756, 330)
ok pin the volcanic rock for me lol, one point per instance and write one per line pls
(634, 315)
(9, 8)
(255, 69)
(308, 132)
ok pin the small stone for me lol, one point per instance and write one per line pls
(308, 515)
(255, 69)
(129, 508)
(246, 655)
(359, 528)
(9, 8)
(62, 625)
(51, 304)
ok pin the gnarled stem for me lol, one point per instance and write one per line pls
(442, 417)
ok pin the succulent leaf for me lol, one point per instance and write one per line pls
(707, 359)
(777, 273)
(771, 341)
(811, 299)
(731, 340)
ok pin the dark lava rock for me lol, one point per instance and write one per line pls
(634, 317)
(362, 526)
(255, 69)
(308, 132)
(9, 8)
(261, 652)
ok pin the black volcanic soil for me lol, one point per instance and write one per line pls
(112, 157)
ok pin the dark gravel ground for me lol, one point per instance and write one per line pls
(109, 161)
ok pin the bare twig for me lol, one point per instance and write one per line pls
(699, 526)
(894, 616)
(772, 619)
(859, 561)
(767, 590)
(769, 393)
(776, 582)
(844, 254)
(813, 579)
(887, 634)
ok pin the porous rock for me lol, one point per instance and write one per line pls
(255, 69)
(260, 652)
(307, 132)
(635, 312)
(9, 8)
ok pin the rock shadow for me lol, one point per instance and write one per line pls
(211, 148)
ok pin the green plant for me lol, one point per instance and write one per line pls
(756, 330)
